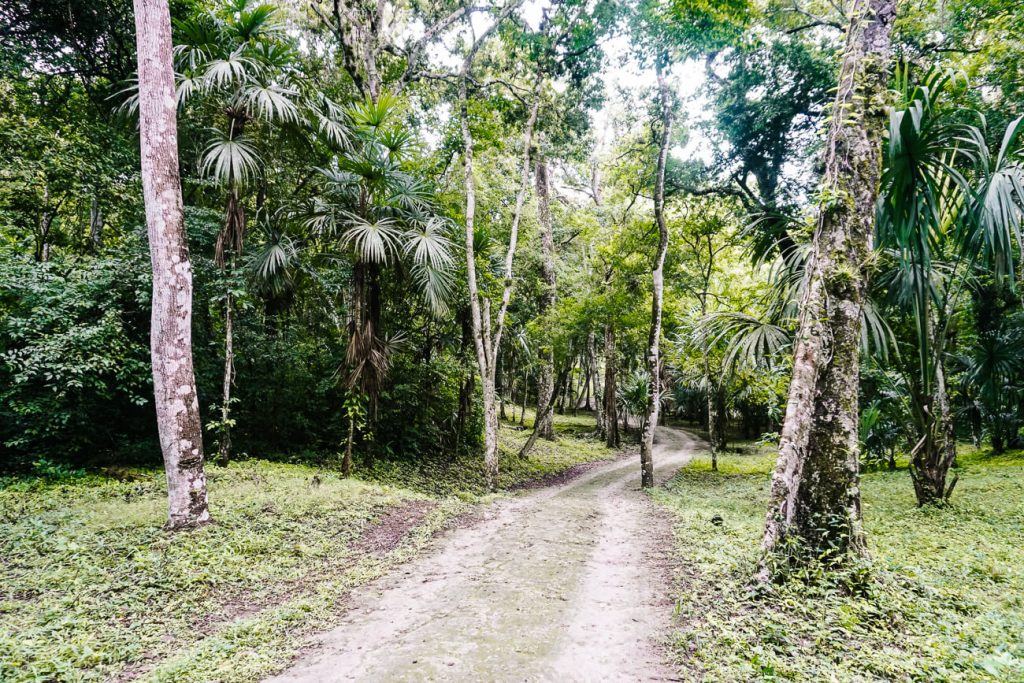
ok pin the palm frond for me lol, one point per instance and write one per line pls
(270, 102)
(373, 241)
(230, 160)
(373, 115)
(437, 286)
(234, 68)
(429, 245)
(750, 341)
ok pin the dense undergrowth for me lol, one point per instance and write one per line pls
(93, 588)
(945, 602)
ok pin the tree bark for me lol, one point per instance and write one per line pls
(224, 450)
(595, 376)
(658, 290)
(611, 416)
(815, 494)
(486, 342)
(177, 404)
(714, 424)
(543, 425)
(346, 463)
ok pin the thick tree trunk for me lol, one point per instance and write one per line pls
(815, 495)
(611, 414)
(177, 404)
(658, 292)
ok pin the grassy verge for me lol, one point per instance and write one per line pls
(464, 476)
(92, 587)
(946, 602)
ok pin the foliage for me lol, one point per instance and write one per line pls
(943, 604)
(74, 358)
(93, 587)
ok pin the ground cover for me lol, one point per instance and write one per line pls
(945, 599)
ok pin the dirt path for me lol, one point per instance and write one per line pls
(562, 584)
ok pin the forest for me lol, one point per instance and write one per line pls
(568, 340)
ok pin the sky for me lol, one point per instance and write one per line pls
(621, 73)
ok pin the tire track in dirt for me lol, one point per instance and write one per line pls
(563, 584)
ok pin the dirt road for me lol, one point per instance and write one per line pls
(559, 585)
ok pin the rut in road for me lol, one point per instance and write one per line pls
(562, 584)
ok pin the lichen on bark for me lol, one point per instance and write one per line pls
(814, 510)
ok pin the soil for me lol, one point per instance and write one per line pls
(565, 583)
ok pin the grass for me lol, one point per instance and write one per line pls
(93, 588)
(464, 476)
(946, 600)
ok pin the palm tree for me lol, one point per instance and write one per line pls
(236, 64)
(993, 373)
(948, 207)
(374, 212)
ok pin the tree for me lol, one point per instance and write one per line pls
(543, 423)
(372, 211)
(702, 234)
(949, 207)
(177, 403)
(234, 62)
(653, 357)
(814, 507)
(487, 336)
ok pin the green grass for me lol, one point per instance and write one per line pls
(465, 476)
(93, 588)
(946, 600)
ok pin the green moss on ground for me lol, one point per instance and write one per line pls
(946, 602)
(93, 588)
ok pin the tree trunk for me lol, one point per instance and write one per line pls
(346, 463)
(501, 391)
(714, 424)
(935, 453)
(486, 342)
(815, 495)
(177, 404)
(224, 452)
(543, 424)
(526, 393)
(611, 416)
(658, 291)
(95, 224)
(595, 376)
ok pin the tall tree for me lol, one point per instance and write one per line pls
(653, 356)
(950, 209)
(177, 403)
(543, 424)
(815, 494)
(235, 60)
(487, 336)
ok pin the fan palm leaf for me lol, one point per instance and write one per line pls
(230, 160)
(373, 241)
